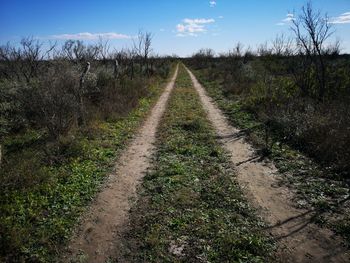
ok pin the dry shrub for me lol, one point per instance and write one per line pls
(54, 100)
(118, 96)
(320, 129)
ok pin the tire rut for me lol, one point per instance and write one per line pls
(101, 227)
(299, 240)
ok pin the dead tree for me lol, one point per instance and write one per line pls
(147, 49)
(104, 51)
(73, 50)
(237, 51)
(312, 29)
(26, 61)
(76, 52)
(282, 46)
(143, 48)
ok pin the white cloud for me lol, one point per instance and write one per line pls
(212, 3)
(91, 36)
(191, 27)
(198, 21)
(289, 18)
(342, 19)
(180, 28)
(187, 34)
(221, 17)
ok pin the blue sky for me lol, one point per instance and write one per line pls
(179, 26)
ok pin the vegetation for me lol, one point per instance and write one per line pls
(292, 100)
(316, 186)
(191, 208)
(67, 111)
(61, 130)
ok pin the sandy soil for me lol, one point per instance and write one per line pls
(96, 239)
(298, 239)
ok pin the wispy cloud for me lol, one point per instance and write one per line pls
(91, 36)
(192, 27)
(221, 17)
(342, 19)
(289, 18)
(212, 3)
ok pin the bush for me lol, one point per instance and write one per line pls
(11, 108)
(54, 101)
(116, 97)
(266, 87)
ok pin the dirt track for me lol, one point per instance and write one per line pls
(299, 240)
(97, 237)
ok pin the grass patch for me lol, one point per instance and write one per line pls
(315, 186)
(38, 215)
(191, 208)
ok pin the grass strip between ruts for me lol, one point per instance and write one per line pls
(191, 208)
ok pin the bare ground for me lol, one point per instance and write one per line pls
(97, 237)
(299, 240)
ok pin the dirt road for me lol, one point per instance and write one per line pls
(97, 237)
(299, 240)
